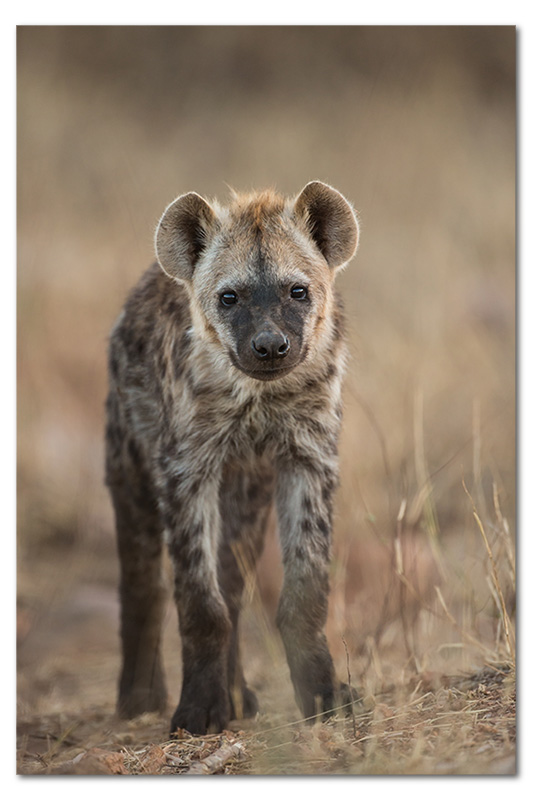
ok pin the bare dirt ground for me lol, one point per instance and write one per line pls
(464, 726)
(423, 723)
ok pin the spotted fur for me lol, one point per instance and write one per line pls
(218, 414)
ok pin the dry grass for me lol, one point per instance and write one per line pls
(465, 727)
(416, 126)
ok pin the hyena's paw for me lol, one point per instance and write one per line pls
(318, 692)
(328, 700)
(138, 701)
(139, 693)
(207, 712)
(311, 671)
(243, 704)
(347, 698)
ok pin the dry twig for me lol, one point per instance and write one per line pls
(217, 760)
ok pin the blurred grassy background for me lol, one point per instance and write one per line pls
(416, 126)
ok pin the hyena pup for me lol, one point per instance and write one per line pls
(225, 401)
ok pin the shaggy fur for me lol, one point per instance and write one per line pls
(224, 402)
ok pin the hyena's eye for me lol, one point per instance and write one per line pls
(228, 298)
(298, 292)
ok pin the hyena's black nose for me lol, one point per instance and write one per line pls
(270, 344)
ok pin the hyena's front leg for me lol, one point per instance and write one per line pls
(246, 500)
(193, 521)
(304, 499)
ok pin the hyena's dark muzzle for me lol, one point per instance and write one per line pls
(268, 353)
(267, 346)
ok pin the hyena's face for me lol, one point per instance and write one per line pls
(260, 273)
(264, 322)
(263, 295)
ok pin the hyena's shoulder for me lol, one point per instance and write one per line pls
(155, 317)
(148, 353)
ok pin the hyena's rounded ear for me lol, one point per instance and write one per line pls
(330, 221)
(183, 233)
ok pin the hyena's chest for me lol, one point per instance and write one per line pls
(217, 432)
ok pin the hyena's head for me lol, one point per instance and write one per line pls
(260, 271)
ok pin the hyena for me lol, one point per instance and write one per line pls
(225, 402)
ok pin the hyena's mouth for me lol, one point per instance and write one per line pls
(267, 372)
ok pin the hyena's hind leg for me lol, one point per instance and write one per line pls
(142, 595)
(246, 503)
